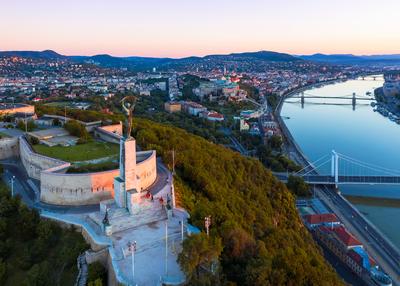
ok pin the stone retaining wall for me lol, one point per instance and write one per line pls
(91, 188)
(35, 163)
(57, 187)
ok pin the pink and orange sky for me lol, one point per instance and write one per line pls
(178, 28)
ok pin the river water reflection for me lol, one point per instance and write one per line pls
(324, 125)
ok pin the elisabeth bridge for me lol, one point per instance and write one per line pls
(344, 170)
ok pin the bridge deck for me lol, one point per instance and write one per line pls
(343, 180)
(335, 97)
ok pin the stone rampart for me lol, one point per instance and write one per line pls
(91, 188)
(35, 163)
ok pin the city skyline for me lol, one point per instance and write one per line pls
(178, 29)
(213, 142)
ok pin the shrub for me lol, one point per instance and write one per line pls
(29, 126)
(97, 274)
(34, 140)
(77, 129)
(298, 186)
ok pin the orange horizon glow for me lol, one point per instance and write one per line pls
(181, 28)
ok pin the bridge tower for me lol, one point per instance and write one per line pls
(302, 99)
(335, 167)
(354, 101)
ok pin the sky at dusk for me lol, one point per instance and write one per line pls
(179, 28)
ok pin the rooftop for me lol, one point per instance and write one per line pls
(346, 237)
(215, 114)
(359, 255)
(318, 206)
(4, 106)
(321, 218)
(49, 133)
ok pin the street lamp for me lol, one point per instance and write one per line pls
(132, 249)
(12, 186)
(207, 223)
(26, 124)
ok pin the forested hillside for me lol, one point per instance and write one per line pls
(253, 215)
(35, 251)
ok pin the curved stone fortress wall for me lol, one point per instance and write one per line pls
(91, 188)
(76, 189)
(34, 163)
(57, 187)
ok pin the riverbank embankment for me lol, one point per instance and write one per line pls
(291, 148)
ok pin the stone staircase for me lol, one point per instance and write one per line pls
(82, 270)
(120, 219)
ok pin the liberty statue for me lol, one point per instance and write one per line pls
(128, 104)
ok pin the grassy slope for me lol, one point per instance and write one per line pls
(81, 152)
(254, 214)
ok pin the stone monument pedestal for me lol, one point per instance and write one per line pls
(134, 201)
(126, 181)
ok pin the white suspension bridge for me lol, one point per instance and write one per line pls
(353, 99)
(344, 170)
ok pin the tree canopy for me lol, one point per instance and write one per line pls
(254, 215)
(77, 129)
(35, 251)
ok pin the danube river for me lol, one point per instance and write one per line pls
(324, 125)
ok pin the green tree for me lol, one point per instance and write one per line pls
(34, 140)
(97, 282)
(3, 271)
(252, 212)
(200, 253)
(97, 274)
(56, 122)
(77, 129)
(38, 275)
(21, 125)
(30, 125)
(298, 186)
(29, 245)
(275, 142)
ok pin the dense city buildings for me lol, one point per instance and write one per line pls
(62, 119)
(392, 84)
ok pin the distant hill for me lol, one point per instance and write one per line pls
(47, 54)
(382, 57)
(267, 56)
(335, 58)
(352, 59)
(149, 62)
(102, 60)
(261, 55)
(141, 63)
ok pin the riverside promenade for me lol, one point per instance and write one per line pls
(375, 242)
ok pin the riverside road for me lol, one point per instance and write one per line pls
(374, 242)
(383, 251)
(345, 180)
